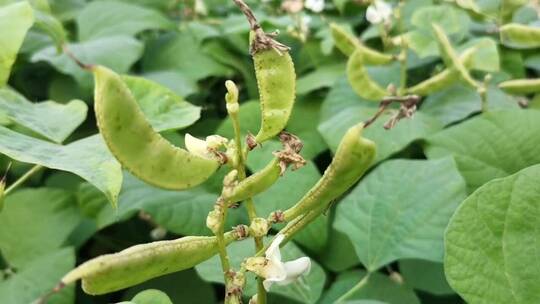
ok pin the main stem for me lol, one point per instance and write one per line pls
(250, 206)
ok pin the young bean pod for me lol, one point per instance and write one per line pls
(347, 44)
(443, 79)
(276, 79)
(520, 36)
(352, 159)
(254, 184)
(140, 263)
(359, 78)
(140, 149)
(521, 86)
(450, 57)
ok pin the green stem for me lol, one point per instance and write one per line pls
(353, 290)
(404, 50)
(220, 236)
(250, 206)
(23, 178)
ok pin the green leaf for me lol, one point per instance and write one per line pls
(116, 52)
(88, 158)
(50, 25)
(322, 77)
(174, 80)
(494, 144)
(182, 287)
(151, 296)
(342, 109)
(112, 18)
(39, 277)
(486, 57)
(163, 108)
(181, 52)
(378, 288)
(305, 290)
(492, 253)
(15, 20)
(454, 21)
(400, 210)
(52, 120)
(338, 254)
(36, 222)
(182, 212)
(426, 276)
(459, 101)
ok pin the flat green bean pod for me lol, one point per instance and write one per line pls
(347, 44)
(450, 57)
(443, 79)
(352, 159)
(520, 36)
(140, 149)
(521, 86)
(255, 183)
(140, 263)
(277, 89)
(359, 78)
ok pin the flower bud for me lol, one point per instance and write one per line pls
(213, 220)
(259, 227)
(214, 142)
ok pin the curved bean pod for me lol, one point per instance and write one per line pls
(450, 57)
(140, 149)
(347, 44)
(443, 79)
(111, 272)
(359, 78)
(277, 89)
(255, 183)
(520, 36)
(521, 86)
(352, 159)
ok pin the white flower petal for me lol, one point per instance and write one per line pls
(372, 15)
(316, 6)
(195, 145)
(378, 12)
(273, 253)
(295, 269)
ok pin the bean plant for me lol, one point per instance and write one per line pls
(325, 151)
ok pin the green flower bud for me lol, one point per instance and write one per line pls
(259, 227)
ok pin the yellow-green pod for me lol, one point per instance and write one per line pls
(347, 44)
(140, 263)
(140, 149)
(520, 36)
(521, 86)
(352, 159)
(450, 57)
(443, 79)
(276, 80)
(255, 183)
(2, 194)
(360, 81)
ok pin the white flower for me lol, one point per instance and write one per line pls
(274, 270)
(316, 6)
(379, 11)
(204, 148)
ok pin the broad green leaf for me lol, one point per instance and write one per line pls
(494, 144)
(46, 22)
(322, 77)
(491, 250)
(379, 288)
(338, 254)
(425, 275)
(181, 52)
(151, 296)
(163, 108)
(486, 56)
(36, 222)
(305, 290)
(459, 101)
(52, 120)
(182, 287)
(342, 109)
(116, 52)
(38, 278)
(88, 158)
(454, 21)
(15, 20)
(112, 18)
(400, 210)
(174, 80)
(182, 212)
